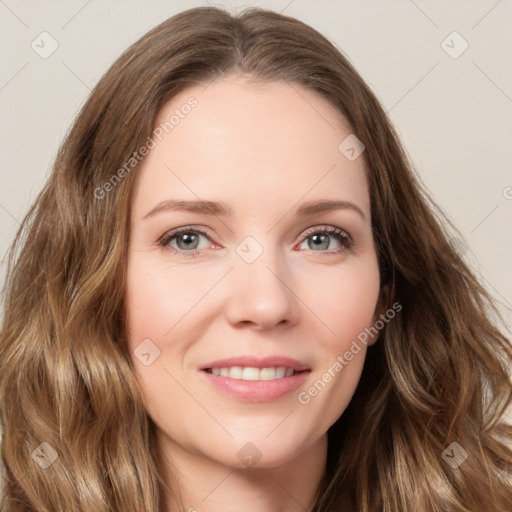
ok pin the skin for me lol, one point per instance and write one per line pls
(264, 149)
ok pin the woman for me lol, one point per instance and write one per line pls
(178, 337)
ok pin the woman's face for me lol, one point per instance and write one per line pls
(258, 280)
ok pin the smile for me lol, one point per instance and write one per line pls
(251, 373)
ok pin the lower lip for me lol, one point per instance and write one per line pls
(257, 390)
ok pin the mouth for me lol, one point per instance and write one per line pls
(252, 379)
(253, 373)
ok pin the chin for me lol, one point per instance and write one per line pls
(260, 452)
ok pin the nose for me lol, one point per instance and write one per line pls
(261, 293)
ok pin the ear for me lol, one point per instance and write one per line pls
(381, 307)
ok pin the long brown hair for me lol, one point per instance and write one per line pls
(76, 436)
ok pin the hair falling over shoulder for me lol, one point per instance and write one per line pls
(438, 375)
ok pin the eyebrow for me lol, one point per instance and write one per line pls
(223, 210)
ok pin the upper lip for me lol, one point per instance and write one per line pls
(257, 362)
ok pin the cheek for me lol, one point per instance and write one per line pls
(154, 302)
(156, 309)
(346, 307)
(346, 303)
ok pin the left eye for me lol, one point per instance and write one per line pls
(187, 240)
(321, 238)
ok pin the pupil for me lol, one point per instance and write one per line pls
(317, 239)
(187, 238)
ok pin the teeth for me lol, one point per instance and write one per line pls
(280, 372)
(267, 373)
(235, 372)
(250, 373)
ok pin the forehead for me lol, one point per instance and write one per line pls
(247, 144)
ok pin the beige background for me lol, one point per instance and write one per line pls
(453, 114)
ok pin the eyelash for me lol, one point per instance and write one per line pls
(338, 234)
